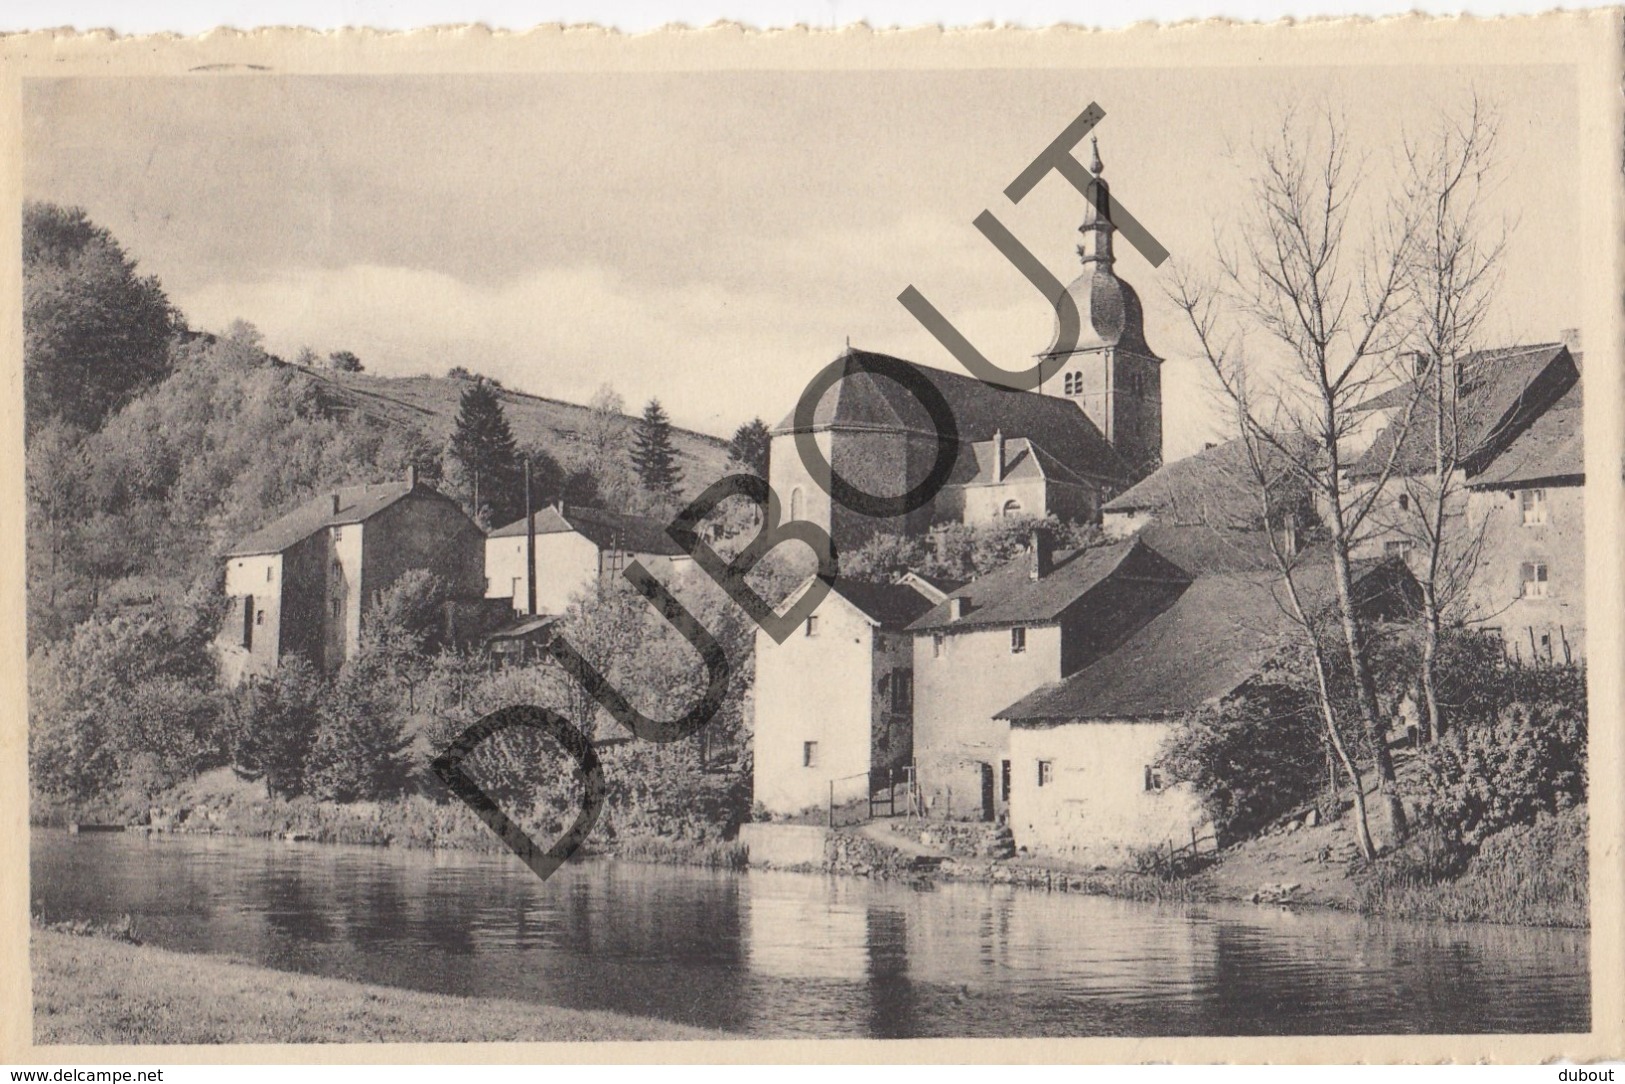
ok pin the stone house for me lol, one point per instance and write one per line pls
(575, 547)
(1084, 780)
(1037, 619)
(834, 702)
(302, 583)
(1518, 503)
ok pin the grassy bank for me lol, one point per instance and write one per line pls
(219, 803)
(1532, 875)
(98, 990)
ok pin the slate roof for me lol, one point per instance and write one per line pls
(1210, 642)
(1551, 448)
(1024, 461)
(862, 401)
(356, 505)
(892, 606)
(1010, 596)
(1216, 485)
(1502, 391)
(605, 529)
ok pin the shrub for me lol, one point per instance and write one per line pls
(1531, 758)
(1250, 758)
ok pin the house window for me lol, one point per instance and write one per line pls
(809, 754)
(939, 644)
(1533, 504)
(1534, 579)
(338, 608)
(1004, 780)
(1404, 502)
(1069, 384)
(797, 503)
(812, 626)
(1046, 772)
(268, 571)
(1018, 640)
(902, 690)
(1546, 645)
(1398, 547)
(259, 617)
(1153, 777)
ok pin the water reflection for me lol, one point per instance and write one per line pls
(787, 954)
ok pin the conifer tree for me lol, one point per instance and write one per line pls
(483, 447)
(653, 453)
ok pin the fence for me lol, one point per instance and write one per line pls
(890, 792)
(1169, 858)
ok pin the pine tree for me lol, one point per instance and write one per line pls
(749, 446)
(484, 449)
(653, 453)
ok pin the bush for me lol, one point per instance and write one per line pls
(1250, 759)
(1531, 759)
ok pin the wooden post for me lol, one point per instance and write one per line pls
(831, 818)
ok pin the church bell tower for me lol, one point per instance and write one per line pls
(1111, 372)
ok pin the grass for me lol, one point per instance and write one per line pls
(1531, 875)
(711, 854)
(96, 990)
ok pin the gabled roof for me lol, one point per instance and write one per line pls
(892, 606)
(356, 504)
(861, 401)
(603, 528)
(936, 588)
(1501, 392)
(1024, 461)
(1215, 486)
(1211, 641)
(1552, 448)
(1009, 595)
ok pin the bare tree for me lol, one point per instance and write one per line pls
(1451, 278)
(1331, 309)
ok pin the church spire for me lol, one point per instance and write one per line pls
(1097, 228)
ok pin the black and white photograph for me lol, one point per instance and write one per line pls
(701, 539)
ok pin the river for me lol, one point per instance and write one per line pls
(783, 954)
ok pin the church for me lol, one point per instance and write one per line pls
(1090, 431)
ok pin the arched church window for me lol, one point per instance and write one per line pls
(1011, 508)
(797, 503)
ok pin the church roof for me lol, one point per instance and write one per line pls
(862, 401)
(1216, 486)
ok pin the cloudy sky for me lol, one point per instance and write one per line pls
(714, 238)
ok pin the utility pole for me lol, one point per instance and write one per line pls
(530, 547)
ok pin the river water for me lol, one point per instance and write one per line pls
(782, 954)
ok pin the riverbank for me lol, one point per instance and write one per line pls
(92, 989)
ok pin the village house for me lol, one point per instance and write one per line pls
(575, 548)
(1033, 621)
(834, 702)
(1517, 504)
(1085, 785)
(1090, 431)
(301, 584)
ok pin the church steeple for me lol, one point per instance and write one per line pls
(1097, 228)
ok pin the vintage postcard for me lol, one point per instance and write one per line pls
(917, 546)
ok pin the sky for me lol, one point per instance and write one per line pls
(714, 238)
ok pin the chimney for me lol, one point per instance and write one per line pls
(412, 476)
(958, 607)
(335, 504)
(1041, 554)
(1571, 339)
(1416, 360)
(998, 455)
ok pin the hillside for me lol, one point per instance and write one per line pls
(429, 404)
